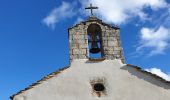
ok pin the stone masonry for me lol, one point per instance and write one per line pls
(78, 40)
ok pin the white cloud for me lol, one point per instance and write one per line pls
(159, 73)
(62, 12)
(155, 40)
(113, 11)
(120, 11)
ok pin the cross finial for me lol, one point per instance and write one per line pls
(91, 8)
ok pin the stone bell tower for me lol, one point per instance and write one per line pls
(95, 40)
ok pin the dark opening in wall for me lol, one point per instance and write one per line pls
(99, 87)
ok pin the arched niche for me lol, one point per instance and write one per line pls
(95, 41)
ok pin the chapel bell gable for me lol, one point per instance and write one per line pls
(94, 40)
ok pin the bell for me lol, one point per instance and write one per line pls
(94, 47)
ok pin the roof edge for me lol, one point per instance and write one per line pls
(51, 75)
(150, 74)
(92, 19)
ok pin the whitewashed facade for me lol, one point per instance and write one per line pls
(104, 78)
(121, 82)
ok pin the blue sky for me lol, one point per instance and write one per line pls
(34, 38)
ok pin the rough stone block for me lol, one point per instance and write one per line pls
(117, 56)
(105, 44)
(117, 52)
(111, 43)
(75, 57)
(74, 46)
(111, 38)
(107, 34)
(79, 42)
(83, 46)
(86, 37)
(110, 52)
(112, 33)
(76, 37)
(104, 38)
(116, 43)
(103, 33)
(111, 56)
(118, 48)
(82, 56)
(79, 51)
(110, 48)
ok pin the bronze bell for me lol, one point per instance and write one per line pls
(94, 45)
(94, 48)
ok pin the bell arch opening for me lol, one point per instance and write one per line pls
(95, 41)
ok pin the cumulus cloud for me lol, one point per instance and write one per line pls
(155, 40)
(66, 10)
(113, 11)
(120, 11)
(159, 73)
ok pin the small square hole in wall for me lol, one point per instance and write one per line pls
(98, 87)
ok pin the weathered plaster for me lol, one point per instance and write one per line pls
(121, 83)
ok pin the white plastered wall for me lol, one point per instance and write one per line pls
(121, 83)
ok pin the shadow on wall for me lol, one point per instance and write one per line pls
(147, 76)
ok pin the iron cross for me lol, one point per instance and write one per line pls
(91, 8)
